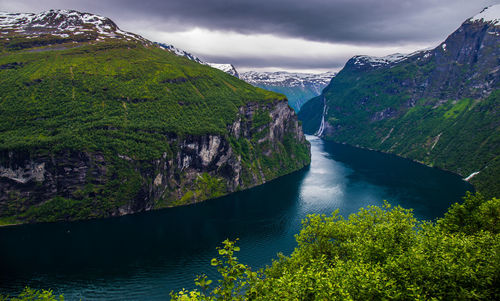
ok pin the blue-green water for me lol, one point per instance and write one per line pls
(145, 256)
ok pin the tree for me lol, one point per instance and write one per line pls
(377, 253)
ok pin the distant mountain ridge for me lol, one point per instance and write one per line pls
(439, 106)
(298, 87)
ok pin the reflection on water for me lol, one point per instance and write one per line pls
(145, 256)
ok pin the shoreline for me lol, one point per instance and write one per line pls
(466, 179)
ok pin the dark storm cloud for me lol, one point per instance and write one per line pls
(344, 21)
(346, 27)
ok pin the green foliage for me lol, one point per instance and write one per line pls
(270, 159)
(376, 254)
(114, 97)
(58, 208)
(122, 184)
(4, 221)
(261, 118)
(475, 214)
(119, 99)
(29, 294)
(235, 281)
(208, 186)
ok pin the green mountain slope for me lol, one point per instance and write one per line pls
(110, 124)
(66, 97)
(440, 107)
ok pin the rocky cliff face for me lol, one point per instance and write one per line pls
(437, 106)
(464, 65)
(111, 123)
(200, 167)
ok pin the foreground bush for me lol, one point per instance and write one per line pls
(30, 294)
(378, 253)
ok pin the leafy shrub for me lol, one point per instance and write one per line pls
(29, 294)
(375, 254)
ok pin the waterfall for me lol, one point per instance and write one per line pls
(319, 132)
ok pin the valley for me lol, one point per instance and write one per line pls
(438, 106)
(131, 169)
(118, 259)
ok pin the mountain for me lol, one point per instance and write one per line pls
(98, 122)
(228, 68)
(438, 106)
(298, 87)
(23, 30)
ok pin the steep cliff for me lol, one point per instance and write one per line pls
(438, 106)
(113, 124)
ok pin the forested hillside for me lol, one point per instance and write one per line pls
(440, 107)
(98, 122)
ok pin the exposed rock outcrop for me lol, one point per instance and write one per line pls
(199, 167)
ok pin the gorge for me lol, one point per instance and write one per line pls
(438, 106)
(125, 163)
(119, 259)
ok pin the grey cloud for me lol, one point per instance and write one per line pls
(377, 22)
(279, 62)
(372, 23)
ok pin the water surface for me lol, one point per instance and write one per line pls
(145, 256)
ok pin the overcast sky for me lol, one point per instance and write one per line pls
(294, 35)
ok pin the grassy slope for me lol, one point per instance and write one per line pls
(119, 97)
(114, 95)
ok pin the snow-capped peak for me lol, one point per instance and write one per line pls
(374, 61)
(180, 52)
(287, 79)
(228, 68)
(488, 15)
(63, 23)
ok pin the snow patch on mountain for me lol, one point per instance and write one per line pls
(298, 87)
(488, 15)
(374, 61)
(63, 23)
(228, 68)
(288, 79)
(181, 52)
